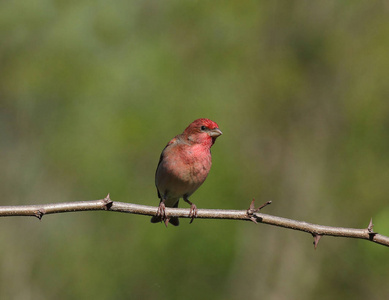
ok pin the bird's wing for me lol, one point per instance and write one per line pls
(172, 141)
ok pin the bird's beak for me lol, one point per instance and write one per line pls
(215, 132)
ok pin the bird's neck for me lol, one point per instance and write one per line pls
(206, 142)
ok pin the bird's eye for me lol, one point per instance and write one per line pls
(203, 127)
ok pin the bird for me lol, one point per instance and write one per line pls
(183, 166)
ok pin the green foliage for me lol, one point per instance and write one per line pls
(90, 93)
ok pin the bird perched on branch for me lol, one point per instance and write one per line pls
(183, 166)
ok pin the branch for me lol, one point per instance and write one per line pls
(251, 214)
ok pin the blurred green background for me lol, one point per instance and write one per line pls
(90, 93)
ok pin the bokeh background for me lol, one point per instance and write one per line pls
(90, 93)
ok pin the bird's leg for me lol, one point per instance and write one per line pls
(193, 209)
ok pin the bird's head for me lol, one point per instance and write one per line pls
(202, 131)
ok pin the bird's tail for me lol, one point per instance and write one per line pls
(156, 219)
(172, 220)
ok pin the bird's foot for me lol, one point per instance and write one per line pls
(161, 211)
(160, 216)
(192, 212)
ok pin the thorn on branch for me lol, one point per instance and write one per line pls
(370, 229)
(263, 205)
(107, 202)
(316, 239)
(370, 226)
(252, 210)
(39, 213)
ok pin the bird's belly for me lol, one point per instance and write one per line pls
(182, 178)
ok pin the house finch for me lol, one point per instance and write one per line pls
(183, 166)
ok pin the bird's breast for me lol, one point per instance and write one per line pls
(182, 172)
(192, 165)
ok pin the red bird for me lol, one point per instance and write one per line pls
(183, 166)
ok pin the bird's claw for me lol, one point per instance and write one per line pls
(192, 212)
(161, 212)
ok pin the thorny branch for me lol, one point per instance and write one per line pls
(252, 214)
